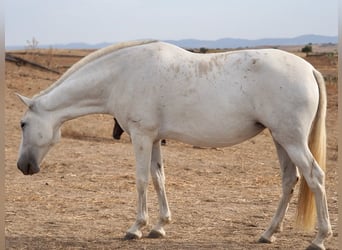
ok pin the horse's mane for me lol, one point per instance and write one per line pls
(91, 57)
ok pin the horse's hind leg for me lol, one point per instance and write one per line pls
(158, 177)
(289, 179)
(315, 178)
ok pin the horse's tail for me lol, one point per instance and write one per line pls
(306, 213)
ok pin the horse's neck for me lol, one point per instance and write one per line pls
(74, 99)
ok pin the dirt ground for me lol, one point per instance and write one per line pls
(85, 198)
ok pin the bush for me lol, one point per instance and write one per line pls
(203, 50)
(307, 48)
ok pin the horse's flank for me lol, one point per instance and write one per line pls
(91, 57)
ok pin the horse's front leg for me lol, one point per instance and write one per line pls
(142, 148)
(158, 177)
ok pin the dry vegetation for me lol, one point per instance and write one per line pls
(84, 197)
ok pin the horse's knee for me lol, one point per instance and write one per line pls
(157, 173)
(156, 167)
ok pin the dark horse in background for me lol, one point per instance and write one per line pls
(117, 130)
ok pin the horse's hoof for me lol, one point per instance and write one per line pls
(314, 247)
(155, 234)
(130, 236)
(264, 240)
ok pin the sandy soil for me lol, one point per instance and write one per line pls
(84, 197)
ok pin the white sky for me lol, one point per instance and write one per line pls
(95, 21)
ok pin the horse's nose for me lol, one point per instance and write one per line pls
(27, 168)
(22, 167)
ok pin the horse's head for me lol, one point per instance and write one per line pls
(38, 136)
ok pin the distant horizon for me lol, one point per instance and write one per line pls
(93, 45)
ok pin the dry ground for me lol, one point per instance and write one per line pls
(84, 197)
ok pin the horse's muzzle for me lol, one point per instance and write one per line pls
(27, 167)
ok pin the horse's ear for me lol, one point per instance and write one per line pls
(27, 101)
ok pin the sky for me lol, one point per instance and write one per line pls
(96, 21)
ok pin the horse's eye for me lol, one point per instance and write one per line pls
(22, 125)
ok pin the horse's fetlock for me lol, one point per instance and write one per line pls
(326, 233)
(166, 220)
(141, 222)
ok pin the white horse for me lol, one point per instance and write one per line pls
(157, 90)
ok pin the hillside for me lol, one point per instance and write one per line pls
(212, 44)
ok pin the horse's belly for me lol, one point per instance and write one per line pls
(214, 136)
